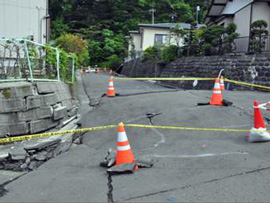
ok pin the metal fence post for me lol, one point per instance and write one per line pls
(28, 61)
(58, 64)
(73, 69)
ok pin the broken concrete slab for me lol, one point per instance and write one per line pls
(18, 154)
(59, 112)
(44, 143)
(145, 162)
(41, 156)
(122, 169)
(4, 155)
(109, 159)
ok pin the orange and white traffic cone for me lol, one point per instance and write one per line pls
(216, 98)
(258, 118)
(124, 155)
(258, 133)
(81, 72)
(110, 90)
(222, 86)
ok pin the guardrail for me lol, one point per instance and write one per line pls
(25, 60)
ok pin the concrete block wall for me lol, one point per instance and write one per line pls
(27, 108)
(246, 68)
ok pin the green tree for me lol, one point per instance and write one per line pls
(169, 53)
(152, 54)
(59, 28)
(95, 52)
(212, 37)
(258, 36)
(229, 38)
(74, 44)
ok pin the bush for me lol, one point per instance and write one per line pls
(74, 44)
(170, 53)
(152, 54)
(112, 61)
(258, 36)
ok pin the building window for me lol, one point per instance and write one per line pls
(160, 39)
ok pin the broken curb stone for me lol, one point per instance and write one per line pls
(121, 169)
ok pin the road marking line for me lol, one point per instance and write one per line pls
(197, 155)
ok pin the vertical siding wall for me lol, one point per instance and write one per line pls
(19, 19)
(261, 10)
(242, 20)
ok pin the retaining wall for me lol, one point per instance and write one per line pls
(27, 108)
(247, 68)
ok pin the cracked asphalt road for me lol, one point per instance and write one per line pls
(189, 166)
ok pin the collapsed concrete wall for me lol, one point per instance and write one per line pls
(27, 108)
(247, 68)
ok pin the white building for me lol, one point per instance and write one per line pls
(25, 19)
(149, 35)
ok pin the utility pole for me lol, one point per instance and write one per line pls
(153, 15)
(197, 14)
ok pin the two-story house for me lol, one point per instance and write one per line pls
(241, 12)
(25, 19)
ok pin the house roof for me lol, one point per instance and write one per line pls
(166, 25)
(233, 7)
(220, 8)
(134, 32)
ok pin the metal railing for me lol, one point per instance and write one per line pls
(25, 60)
(242, 44)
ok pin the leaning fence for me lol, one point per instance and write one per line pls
(25, 60)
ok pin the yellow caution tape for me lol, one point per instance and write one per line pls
(245, 83)
(187, 128)
(186, 79)
(164, 78)
(83, 130)
(27, 137)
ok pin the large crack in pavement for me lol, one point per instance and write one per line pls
(150, 116)
(142, 93)
(93, 102)
(110, 189)
(4, 191)
(196, 184)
